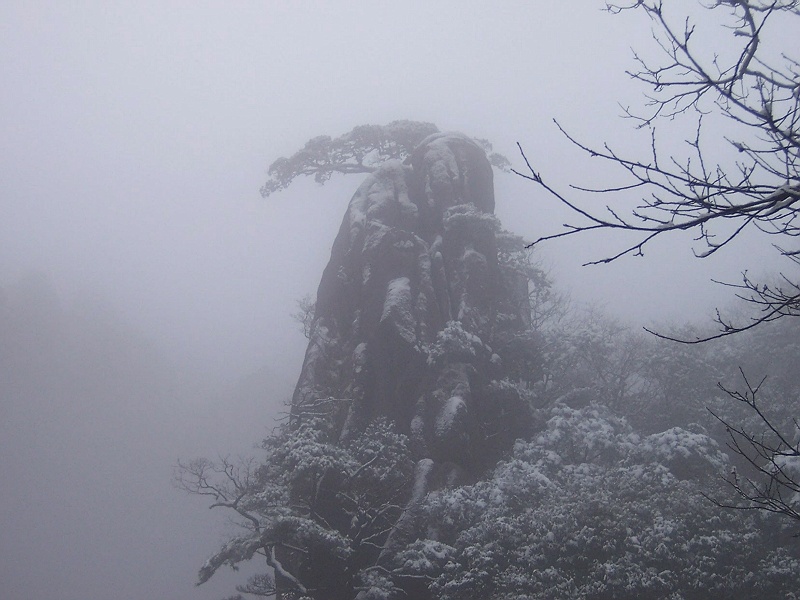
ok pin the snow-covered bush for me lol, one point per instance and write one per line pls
(455, 344)
(316, 510)
(469, 221)
(588, 509)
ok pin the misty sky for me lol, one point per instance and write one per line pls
(135, 137)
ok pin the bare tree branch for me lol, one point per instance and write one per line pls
(758, 92)
(773, 455)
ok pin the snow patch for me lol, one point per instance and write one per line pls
(359, 357)
(397, 308)
(417, 426)
(448, 414)
(398, 295)
(469, 218)
(421, 474)
(407, 208)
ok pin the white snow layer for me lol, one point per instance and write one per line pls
(450, 410)
(360, 356)
(421, 474)
(397, 308)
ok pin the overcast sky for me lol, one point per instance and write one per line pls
(135, 137)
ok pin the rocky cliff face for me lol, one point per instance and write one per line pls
(417, 313)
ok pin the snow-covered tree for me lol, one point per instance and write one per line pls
(590, 509)
(315, 510)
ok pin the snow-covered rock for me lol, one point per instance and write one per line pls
(408, 306)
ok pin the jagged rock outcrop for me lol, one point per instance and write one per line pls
(415, 308)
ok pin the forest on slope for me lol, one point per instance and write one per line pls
(555, 454)
(458, 432)
(610, 493)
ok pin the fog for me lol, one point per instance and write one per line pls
(147, 287)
